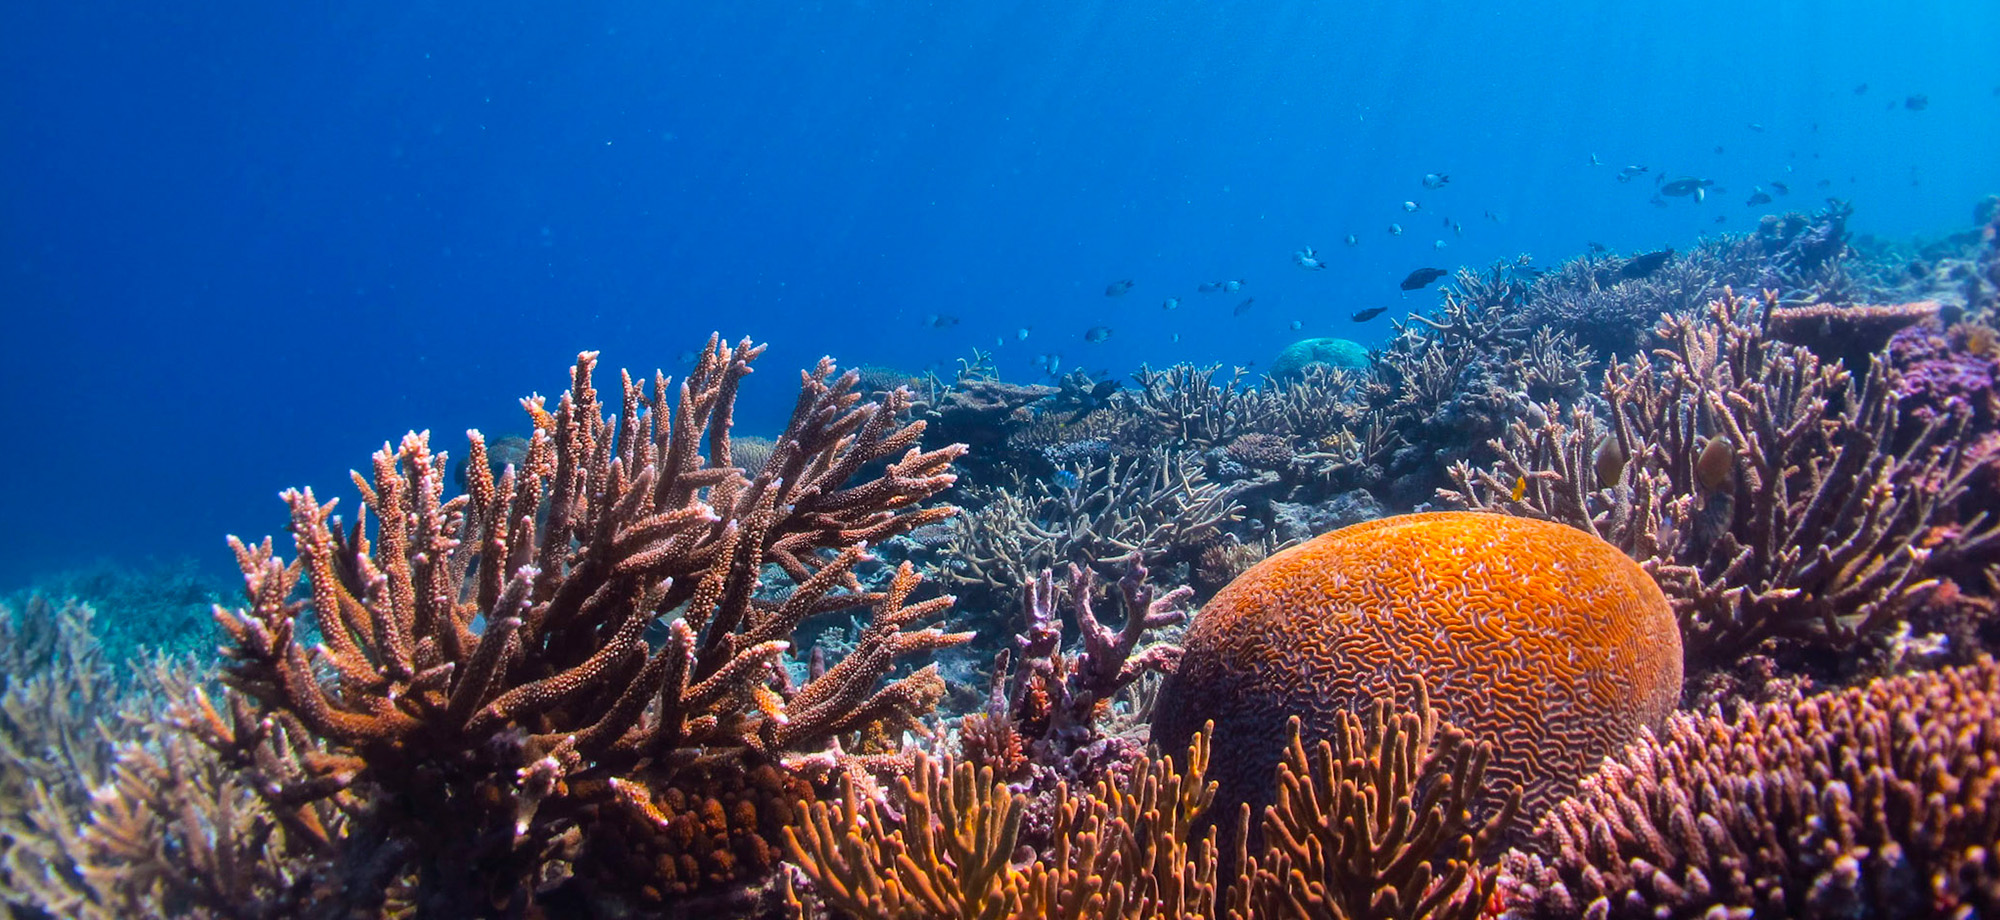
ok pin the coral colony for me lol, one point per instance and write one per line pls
(1651, 587)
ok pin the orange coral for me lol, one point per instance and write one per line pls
(1540, 638)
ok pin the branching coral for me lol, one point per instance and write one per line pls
(1158, 504)
(485, 690)
(1876, 801)
(1127, 848)
(1043, 717)
(1374, 823)
(1758, 483)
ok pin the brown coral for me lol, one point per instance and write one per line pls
(485, 695)
(1376, 825)
(1545, 641)
(1877, 801)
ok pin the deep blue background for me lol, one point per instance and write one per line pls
(242, 244)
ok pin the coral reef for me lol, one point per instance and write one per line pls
(1876, 801)
(485, 710)
(1759, 484)
(1375, 822)
(1539, 638)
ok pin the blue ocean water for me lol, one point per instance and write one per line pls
(243, 244)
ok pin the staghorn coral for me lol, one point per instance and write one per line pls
(484, 697)
(1539, 638)
(1806, 523)
(1128, 848)
(1158, 503)
(1875, 801)
(63, 709)
(1374, 823)
(1044, 719)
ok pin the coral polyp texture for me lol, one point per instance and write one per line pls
(1876, 801)
(1544, 640)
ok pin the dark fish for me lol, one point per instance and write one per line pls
(1208, 287)
(1686, 186)
(1596, 247)
(1096, 334)
(1641, 266)
(1362, 316)
(1782, 188)
(1823, 183)
(1917, 103)
(1721, 218)
(1716, 466)
(1861, 90)
(1243, 307)
(940, 321)
(1422, 277)
(1103, 389)
(1609, 459)
(1756, 198)
(1718, 148)
(1657, 201)
(1118, 288)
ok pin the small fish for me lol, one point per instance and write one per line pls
(1353, 240)
(1362, 316)
(1715, 468)
(1421, 278)
(1917, 102)
(1756, 127)
(1609, 459)
(1489, 215)
(940, 321)
(1631, 172)
(1457, 230)
(1642, 266)
(1096, 334)
(1437, 244)
(1049, 363)
(688, 357)
(1118, 288)
(1177, 338)
(1686, 186)
(1021, 334)
(1395, 229)
(999, 341)
(1297, 325)
(1657, 201)
(1823, 183)
(1520, 488)
(1171, 303)
(1594, 161)
(1435, 180)
(1243, 307)
(1721, 219)
(1718, 148)
(1861, 90)
(1308, 259)
(1757, 196)
(1411, 206)
(1208, 287)
(1597, 247)
(1233, 286)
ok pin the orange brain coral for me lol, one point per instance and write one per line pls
(1539, 637)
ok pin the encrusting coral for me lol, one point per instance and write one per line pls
(485, 705)
(1875, 801)
(1537, 637)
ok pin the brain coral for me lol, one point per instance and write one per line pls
(1539, 637)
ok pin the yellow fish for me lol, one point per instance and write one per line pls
(1520, 488)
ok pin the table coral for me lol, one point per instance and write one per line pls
(1539, 638)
